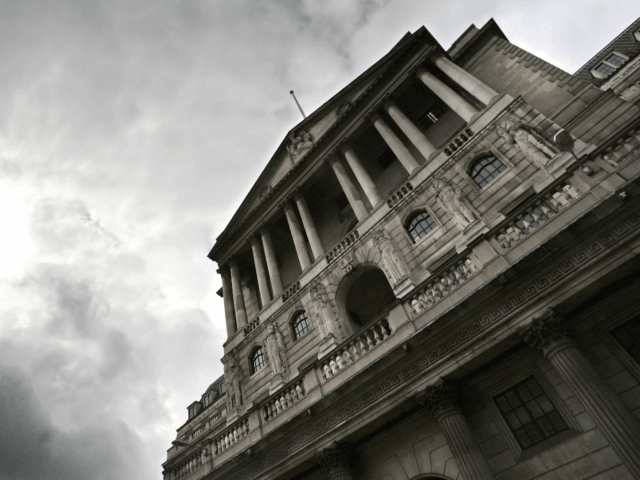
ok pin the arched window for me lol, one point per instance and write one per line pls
(419, 224)
(257, 360)
(300, 325)
(485, 169)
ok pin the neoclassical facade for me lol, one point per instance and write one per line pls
(436, 277)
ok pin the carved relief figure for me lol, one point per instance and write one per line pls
(276, 353)
(529, 142)
(323, 312)
(451, 200)
(392, 260)
(299, 143)
(232, 379)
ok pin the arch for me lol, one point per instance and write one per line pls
(256, 360)
(300, 324)
(363, 295)
(419, 223)
(485, 169)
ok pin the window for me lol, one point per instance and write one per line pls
(609, 65)
(615, 59)
(208, 399)
(485, 169)
(341, 201)
(431, 116)
(222, 388)
(529, 413)
(628, 336)
(386, 159)
(419, 224)
(300, 325)
(192, 411)
(257, 360)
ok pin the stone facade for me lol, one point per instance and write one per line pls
(423, 283)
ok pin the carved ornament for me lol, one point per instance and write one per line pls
(546, 332)
(347, 263)
(440, 399)
(335, 458)
(342, 109)
(300, 143)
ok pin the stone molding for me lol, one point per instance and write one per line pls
(546, 332)
(440, 399)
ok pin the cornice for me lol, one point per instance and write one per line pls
(478, 41)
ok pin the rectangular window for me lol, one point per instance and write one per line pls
(431, 116)
(605, 69)
(341, 201)
(386, 159)
(628, 336)
(529, 413)
(615, 59)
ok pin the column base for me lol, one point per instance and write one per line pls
(276, 383)
(327, 344)
(403, 287)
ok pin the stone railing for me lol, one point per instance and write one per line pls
(458, 142)
(535, 214)
(442, 285)
(628, 143)
(400, 194)
(251, 326)
(283, 400)
(342, 246)
(291, 291)
(231, 436)
(206, 425)
(355, 347)
(189, 466)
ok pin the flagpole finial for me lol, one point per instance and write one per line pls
(299, 107)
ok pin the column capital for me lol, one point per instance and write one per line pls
(384, 102)
(440, 399)
(335, 458)
(374, 115)
(546, 332)
(254, 238)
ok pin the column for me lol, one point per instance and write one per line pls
(272, 263)
(227, 295)
(471, 84)
(335, 460)
(442, 402)
(613, 418)
(448, 96)
(404, 155)
(366, 182)
(309, 226)
(252, 307)
(298, 236)
(349, 188)
(238, 297)
(261, 270)
(413, 133)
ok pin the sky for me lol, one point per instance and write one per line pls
(130, 132)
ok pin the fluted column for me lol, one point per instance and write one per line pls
(227, 296)
(272, 263)
(349, 189)
(413, 133)
(613, 418)
(395, 144)
(238, 297)
(366, 182)
(309, 226)
(261, 270)
(470, 83)
(442, 402)
(298, 236)
(448, 96)
(335, 460)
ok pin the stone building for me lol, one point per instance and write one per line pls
(436, 277)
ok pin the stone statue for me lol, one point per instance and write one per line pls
(451, 200)
(299, 143)
(232, 379)
(323, 312)
(276, 353)
(530, 143)
(392, 260)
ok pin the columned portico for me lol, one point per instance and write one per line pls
(272, 263)
(395, 144)
(611, 415)
(349, 189)
(413, 133)
(238, 297)
(261, 270)
(227, 296)
(442, 402)
(366, 182)
(309, 226)
(335, 461)
(297, 235)
(447, 95)
(470, 83)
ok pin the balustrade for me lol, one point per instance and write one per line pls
(231, 436)
(442, 285)
(291, 291)
(206, 425)
(283, 400)
(535, 214)
(189, 466)
(400, 194)
(354, 348)
(619, 150)
(458, 142)
(251, 326)
(342, 246)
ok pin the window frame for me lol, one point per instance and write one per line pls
(408, 218)
(618, 351)
(477, 159)
(605, 61)
(465, 167)
(292, 321)
(252, 355)
(434, 234)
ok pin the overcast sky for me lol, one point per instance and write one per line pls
(129, 133)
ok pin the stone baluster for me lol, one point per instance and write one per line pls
(447, 95)
(399, 149)
(470, 83)
(550, 335)
(298, 236)
(309, 226)
(442, 402)
(363, 177)
(238, 297)
(227, 295)
(413, 133)
(349, 189)
(335, 460)
(261, 270)
(272, 263)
